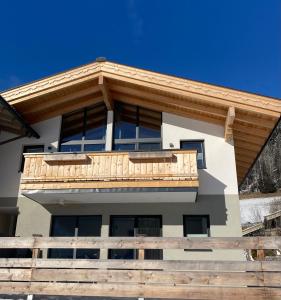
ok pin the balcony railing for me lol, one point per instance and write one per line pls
(170, 279)
(176, 168)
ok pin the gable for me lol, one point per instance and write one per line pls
(248, 119)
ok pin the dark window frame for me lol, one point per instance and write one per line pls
(83, 141)
(136, 217)
(198, 216)
(203, 147)
(51, 229)
(136, 141)
(22, 161)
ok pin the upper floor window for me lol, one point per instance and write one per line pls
(136, 128)
(199, 146)
(30, 149)
(196, 225)
(84, 130)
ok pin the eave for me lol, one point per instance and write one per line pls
(248, 119)
(11, 121)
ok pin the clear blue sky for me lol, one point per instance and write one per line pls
(234, 43)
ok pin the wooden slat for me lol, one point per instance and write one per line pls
(143, 242)
(168, 265)
(136, 290)
(194, 278)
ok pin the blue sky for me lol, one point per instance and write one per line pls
(234, 43)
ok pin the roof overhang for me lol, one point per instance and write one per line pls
(248, 119)
(11, 121)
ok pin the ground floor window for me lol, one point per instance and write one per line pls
(134, 226)
(196, 225)
(75, 226)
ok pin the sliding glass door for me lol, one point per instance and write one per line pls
(123, 226)
(75, 226)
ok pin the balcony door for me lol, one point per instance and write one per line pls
(126, 226)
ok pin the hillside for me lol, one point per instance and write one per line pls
(265, 176)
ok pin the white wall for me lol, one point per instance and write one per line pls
(11, 153)
(220, 175)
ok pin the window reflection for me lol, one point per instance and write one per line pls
(81, 127)
(136, 128)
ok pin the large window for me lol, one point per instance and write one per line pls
(75, 226)
(84, 130)
(136, 128)
(122, 226)
(199, 146)
(196, 225)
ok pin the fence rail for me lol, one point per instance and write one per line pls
(170, 279)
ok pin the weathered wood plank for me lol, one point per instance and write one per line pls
(168, 265)
(143, 242)
(193, 278)
(136, 290)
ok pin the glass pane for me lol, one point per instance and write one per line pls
(196, 225)
(96, 122)
(149, 146)
(125, 121)
(70, 148)
(150, 226)
(94, 147)
(72, 126)
(124, 147)
(63, 226)
(89, 226)
(149, 123)
(122, 226)
(194, 145)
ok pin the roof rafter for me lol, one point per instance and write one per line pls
(105, 92)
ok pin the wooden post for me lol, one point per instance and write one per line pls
(260, 254)
(140, 255)
(35, 255)
(35, 251)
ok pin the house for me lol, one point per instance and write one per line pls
(110, 150)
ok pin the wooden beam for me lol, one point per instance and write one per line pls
(60, 109)
(272, 242)
(187, 102)
(228, 128)
(48, 102)
(177, 110)
(105, 92)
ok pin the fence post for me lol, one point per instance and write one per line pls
(260, 254)
(35, 255)
(140, 255)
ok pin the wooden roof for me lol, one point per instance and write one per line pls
(247, 118)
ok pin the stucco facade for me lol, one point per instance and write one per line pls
(217, 194)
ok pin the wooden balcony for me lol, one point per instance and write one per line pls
(169, 279)
(109, 171)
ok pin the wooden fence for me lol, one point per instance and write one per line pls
(170, 279)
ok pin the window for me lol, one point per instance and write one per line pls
(195, 225)
(30, 149)
(84, 130)
(75, 226)
(199, 146)
(121, 226)
(136, 128)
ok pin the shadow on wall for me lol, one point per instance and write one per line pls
(213, 205)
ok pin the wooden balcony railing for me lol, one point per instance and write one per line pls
(170, 279)
(176, 168)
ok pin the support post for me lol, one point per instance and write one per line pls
(109, 130)
(228, 129)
